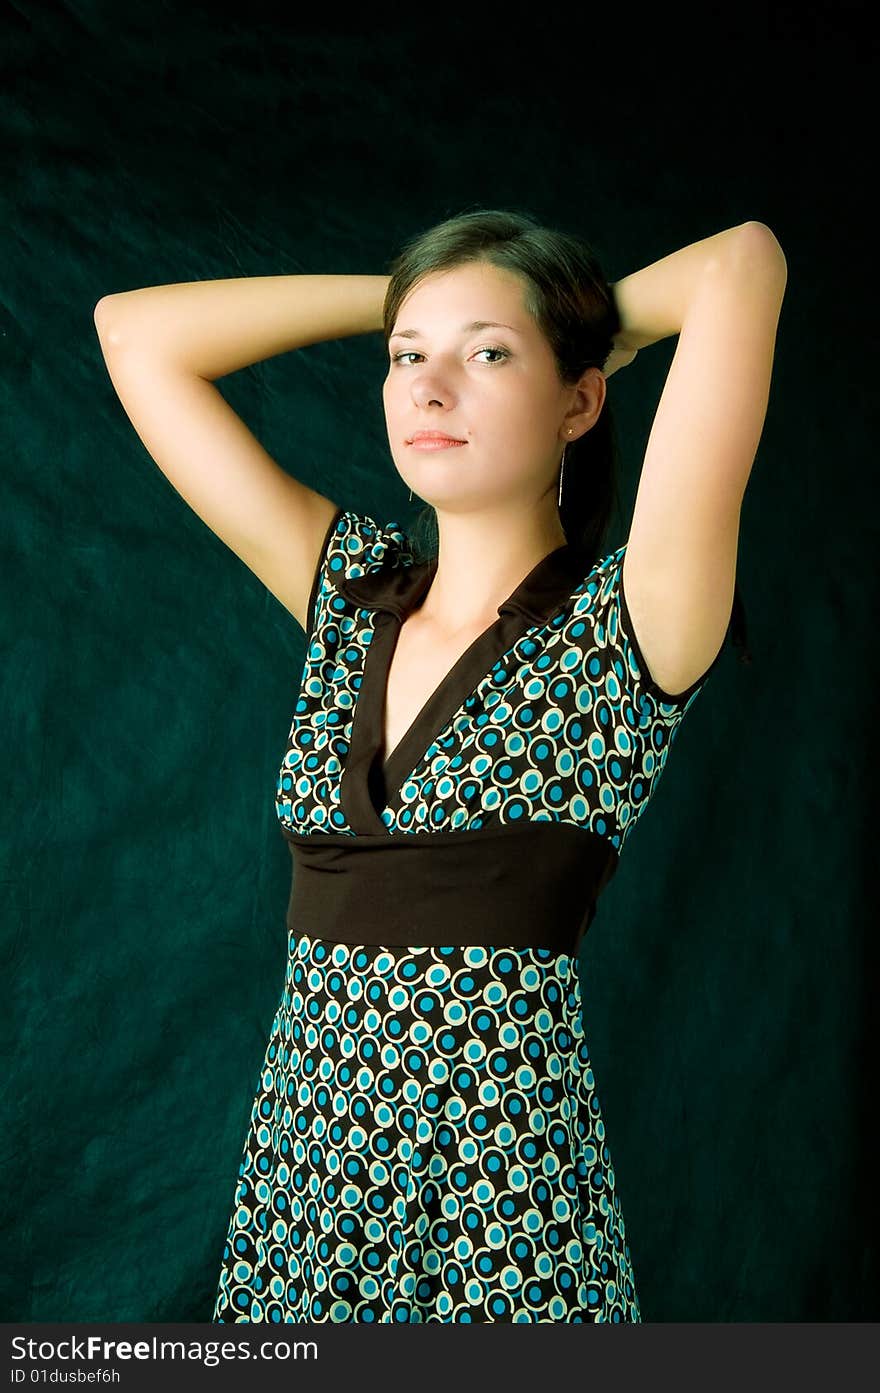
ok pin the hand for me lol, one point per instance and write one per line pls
(619, 357)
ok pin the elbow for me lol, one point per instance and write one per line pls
(761, 240)
(100, 313)
(755, 252)
(106, 320)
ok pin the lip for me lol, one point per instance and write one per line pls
(434, 438)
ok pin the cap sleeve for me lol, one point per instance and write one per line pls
(623, 651)
(354, 544)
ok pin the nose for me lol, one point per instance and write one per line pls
(429, 388)
(427, 393)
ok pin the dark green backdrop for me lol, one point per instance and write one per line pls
(149, 679)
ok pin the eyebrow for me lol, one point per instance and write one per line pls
(474, 326)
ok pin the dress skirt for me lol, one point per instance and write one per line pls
(426, 1144)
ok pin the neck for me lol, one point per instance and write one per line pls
(479, 567)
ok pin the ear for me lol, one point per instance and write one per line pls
(586, 407)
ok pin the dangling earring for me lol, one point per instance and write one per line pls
(410, 495)
(561, 468)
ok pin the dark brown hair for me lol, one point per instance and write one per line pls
(569, 297)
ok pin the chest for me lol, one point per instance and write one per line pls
(418, 665)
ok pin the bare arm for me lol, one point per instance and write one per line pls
(652, 302)
(722, 296)
(217, 327)
(163, 347)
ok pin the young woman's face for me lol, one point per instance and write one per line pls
(494, 388)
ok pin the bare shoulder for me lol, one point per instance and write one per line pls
(288, 561)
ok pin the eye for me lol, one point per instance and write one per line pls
(502, 351)
(411, 353)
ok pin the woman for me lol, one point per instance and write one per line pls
(480, 724)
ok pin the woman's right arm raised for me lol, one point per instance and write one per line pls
(163, 347)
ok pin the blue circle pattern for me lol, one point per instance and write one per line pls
(426, 1141)
(564, 727)
(426, 1145)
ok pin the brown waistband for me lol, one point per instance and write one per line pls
(529, 885)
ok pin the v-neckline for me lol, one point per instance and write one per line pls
(387, 761)
(371, 784)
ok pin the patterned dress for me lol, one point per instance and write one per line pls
(426, 1141)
